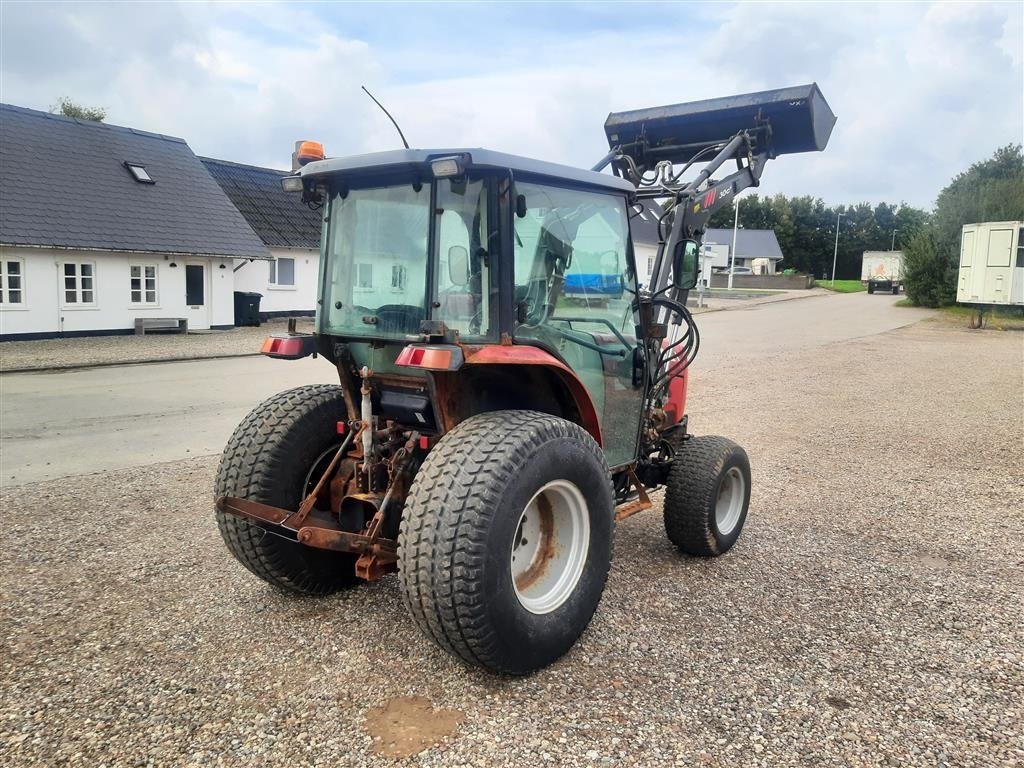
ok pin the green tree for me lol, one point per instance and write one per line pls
(929, 269)
(990, 190)
(69, 108)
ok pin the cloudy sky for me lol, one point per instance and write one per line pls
(921, 90)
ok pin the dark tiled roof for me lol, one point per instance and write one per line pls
(63, 183)
(280, 218)
(750, 243)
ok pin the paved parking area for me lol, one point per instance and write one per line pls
(113, 350)
(870, 614)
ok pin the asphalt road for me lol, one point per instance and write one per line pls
(75, 422)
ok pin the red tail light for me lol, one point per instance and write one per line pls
(289, 347)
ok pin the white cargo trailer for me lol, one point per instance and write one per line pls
(992, 264)
(882, 271)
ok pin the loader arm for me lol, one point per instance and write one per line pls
(656, 147)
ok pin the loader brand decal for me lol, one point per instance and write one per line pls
(711, 196)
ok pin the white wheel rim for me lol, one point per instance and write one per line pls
(550, 547)
(731, 492)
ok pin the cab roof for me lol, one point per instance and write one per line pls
(478, 158)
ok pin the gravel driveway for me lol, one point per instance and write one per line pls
(871, 613)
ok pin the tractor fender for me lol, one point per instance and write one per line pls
(503, 355)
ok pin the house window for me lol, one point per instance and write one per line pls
(79, 283)
(143, 283)
(139, 173)
(364, 275)
(282, 272)
(12, 282)
(398, 274)
(1020, 248)
(650, 267)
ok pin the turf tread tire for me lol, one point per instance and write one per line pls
(266, 460)
(442, 542)
(691, 492)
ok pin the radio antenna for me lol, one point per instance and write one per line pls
(388, 114)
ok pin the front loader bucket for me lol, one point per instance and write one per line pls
(799, 118)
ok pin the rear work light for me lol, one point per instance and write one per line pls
(291, 183)
(289, 347)
(447, 167)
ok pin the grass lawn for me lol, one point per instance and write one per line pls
(841, 286)
(998, 319)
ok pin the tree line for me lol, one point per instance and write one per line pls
(806, 229)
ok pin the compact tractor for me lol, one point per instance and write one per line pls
(489, 430)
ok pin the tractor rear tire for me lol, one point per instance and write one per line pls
(707, 495)
(500, 486)
(871, 288)
(269, 459)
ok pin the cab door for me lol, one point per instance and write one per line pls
(575, 286)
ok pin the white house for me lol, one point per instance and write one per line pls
(101, 225)
(288, 228)
(756, 249)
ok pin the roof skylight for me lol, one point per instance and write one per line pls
(139, 173)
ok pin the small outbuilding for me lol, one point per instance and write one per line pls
(101, 226)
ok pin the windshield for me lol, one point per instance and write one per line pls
(377, 253)
(377, 261)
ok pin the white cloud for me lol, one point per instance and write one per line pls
(920, 91)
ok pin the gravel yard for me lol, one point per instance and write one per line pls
(111, 350)
(871, 613)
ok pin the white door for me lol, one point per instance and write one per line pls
(998, 267)
(197, 294)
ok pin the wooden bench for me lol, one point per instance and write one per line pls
(171, 324)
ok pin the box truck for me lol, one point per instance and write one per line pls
(882, 271)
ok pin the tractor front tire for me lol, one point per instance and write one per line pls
(270, 458)
(707, 495)
(506, 540)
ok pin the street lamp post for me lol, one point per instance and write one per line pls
(835, 251)
(735, 226)
(892, 245)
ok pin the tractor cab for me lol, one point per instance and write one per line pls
(461, 250)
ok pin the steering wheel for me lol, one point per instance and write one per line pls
(400, 318)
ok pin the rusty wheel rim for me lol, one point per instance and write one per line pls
(550, 547)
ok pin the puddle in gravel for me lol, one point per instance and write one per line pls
(407, 725)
